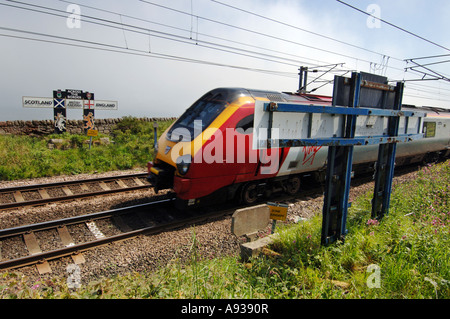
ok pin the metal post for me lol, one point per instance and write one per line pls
(384, 168)
(155, 136)
(300, 81)
(274, 225)
(303, 79)
(339, 169)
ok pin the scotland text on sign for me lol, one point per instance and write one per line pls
(28, 101)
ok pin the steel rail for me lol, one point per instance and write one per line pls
(68, 197)
(78, 248)
(15, 231)
(63, 183)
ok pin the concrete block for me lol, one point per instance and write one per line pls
(254, 248)
(250, 220)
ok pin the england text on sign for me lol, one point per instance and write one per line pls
(28, 101)
(106, 105)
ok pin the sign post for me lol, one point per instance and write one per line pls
(71, 99)
(155, 136)
(88, 116)
(277, 212)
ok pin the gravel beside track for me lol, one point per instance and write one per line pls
(143, 253)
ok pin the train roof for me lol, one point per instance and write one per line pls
(291, 97)
(327, 100)
(274, 96)
(295, 97)
(430, 110)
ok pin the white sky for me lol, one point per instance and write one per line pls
(146, 85)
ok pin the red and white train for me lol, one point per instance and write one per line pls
(207, 155)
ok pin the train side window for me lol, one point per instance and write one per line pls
(245, 126)
(429, 128)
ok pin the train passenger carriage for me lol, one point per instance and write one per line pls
(207, 154)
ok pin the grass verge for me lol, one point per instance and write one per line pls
(29, 157)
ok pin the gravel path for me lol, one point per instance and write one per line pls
(143, 253)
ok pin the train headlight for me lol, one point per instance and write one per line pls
(183, 163)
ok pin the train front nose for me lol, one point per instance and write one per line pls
(160, 175)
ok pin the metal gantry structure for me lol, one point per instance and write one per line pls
(365, 110)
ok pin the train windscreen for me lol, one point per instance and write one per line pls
(201, 114)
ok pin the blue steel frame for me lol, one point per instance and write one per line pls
(340, 150)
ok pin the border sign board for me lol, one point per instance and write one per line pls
(70, 99)
(71, 102)
(47, 102)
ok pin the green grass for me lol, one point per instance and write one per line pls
(29, 157)
(405, 255)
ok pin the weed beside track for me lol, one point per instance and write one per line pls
(30, 157)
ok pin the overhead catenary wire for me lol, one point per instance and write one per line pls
(302, 29)
(174, 37)
(259, 33)
(383, 67)
(395, 26)
(296, 56)
(164, 35)
(122, 26)
(118, 49)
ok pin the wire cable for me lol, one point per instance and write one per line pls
(302, 29)
(119, 49)
(164, 35)
(395, 26)
(259, 33)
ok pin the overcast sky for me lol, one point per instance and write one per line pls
(156, 57)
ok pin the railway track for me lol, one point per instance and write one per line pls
(155, 217)
(38, 194)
